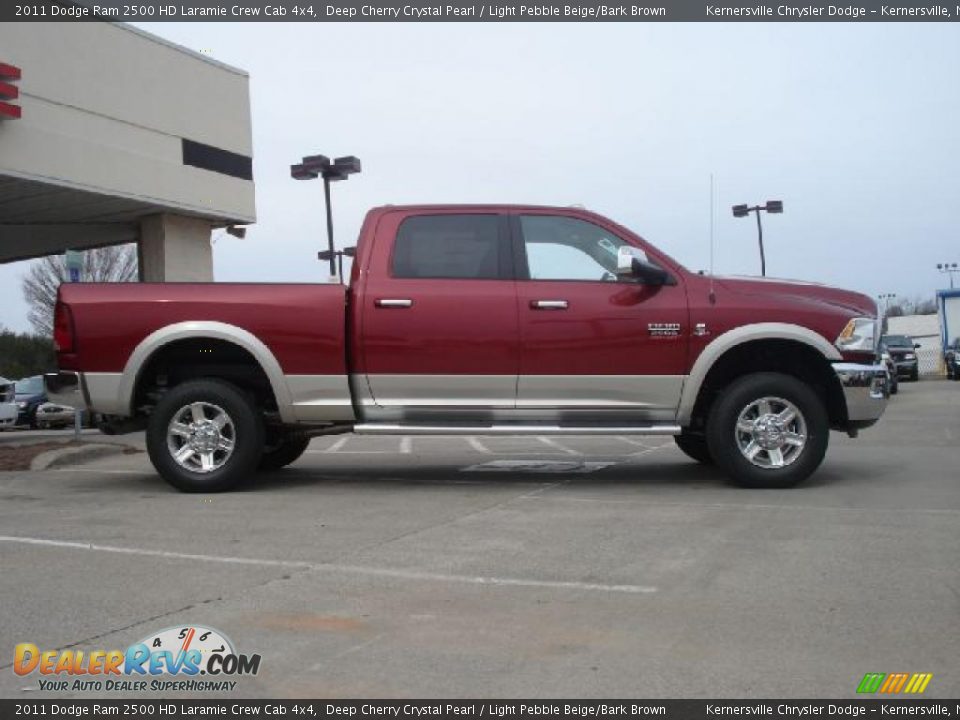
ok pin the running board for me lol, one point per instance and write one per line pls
(416, 429)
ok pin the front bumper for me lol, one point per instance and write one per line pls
(907, 367)
(866, 391)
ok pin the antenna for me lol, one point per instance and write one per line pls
(713, 214)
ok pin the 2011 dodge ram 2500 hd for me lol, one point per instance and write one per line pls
(476, 320)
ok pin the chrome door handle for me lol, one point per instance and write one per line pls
(549, 304)
(393, 302)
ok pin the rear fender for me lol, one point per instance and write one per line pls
(214, 331)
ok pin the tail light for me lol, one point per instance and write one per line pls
(62, 328)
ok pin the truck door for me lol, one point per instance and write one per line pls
(594, 345)
(439, 327)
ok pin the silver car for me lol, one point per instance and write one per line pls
(51, 415)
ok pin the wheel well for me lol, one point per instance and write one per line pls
(193, 358)
(790, 357)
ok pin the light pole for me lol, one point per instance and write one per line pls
(772, 206)
(885, 298)
(950, 269)
(314, 166)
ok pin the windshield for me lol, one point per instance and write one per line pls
(30, 386)
(897, 341)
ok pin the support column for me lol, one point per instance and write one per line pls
(175, 248)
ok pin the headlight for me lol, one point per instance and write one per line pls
(909, 356)
(21, 404)
(859, 335)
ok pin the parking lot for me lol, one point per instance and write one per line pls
(544, 567)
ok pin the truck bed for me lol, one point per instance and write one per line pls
(303, 325)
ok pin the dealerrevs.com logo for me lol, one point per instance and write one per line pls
(192, 658)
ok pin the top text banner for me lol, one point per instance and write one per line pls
(468, 11)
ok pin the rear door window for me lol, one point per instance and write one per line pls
(468, 247)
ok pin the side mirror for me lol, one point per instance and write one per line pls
(632, 262)
(916, 346)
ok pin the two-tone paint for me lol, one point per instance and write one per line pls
(394, 350)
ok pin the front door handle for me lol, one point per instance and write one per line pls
(549, 304)
(393, 302)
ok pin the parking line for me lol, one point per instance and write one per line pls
(478, 446)
(406, 445)
(337, 568)
(550, 442)
(336, 446)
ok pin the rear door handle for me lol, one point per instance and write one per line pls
(549, 304)
(393, 303)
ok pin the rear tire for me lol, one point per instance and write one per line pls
(894, 385)
(287, 451)
(768, 430)
(205, 436)
(694, 447)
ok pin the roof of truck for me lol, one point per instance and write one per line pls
(484, 206)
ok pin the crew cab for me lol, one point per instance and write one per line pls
(476, 320)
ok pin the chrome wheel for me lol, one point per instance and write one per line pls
(201, 437)
(771, 432)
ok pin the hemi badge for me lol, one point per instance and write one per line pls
(663, 329)
(700, 329)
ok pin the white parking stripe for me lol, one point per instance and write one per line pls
(337, 445)
(406, 445)
(478, 446)
(336, 568)
(632, 441)
(550, 442)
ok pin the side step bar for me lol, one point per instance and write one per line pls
(415, 429)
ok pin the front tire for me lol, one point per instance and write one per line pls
(205, 436)
(288, 450)
(694, 447)
(768, 430)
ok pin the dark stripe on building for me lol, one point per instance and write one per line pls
(208, 157)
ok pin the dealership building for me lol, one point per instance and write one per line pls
(111, 135)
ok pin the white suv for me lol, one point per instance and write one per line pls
(8, 406)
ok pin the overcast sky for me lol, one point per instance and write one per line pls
(854, 127)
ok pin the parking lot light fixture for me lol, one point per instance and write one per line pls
(310, 168)
(950, 268)
(771, 206)
(885, 300)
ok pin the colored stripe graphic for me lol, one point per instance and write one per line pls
(893, 683)
(918, 683)
(871, 682)
(911, 683)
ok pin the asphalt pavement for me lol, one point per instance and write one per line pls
(511, 567)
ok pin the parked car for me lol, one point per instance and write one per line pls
(903, 350)
(51, 416)
(951, 359)
(476, 320)
(30, 395)
(8, 404)
(894, 380)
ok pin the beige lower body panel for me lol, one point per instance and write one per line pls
(570, 399)
(103, 392)
(320, 398)
(653, 392)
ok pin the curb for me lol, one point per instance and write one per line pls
(74, 455)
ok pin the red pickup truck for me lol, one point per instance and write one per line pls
(476, 320)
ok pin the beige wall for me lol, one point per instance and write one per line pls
(174, 247)
(105, 108)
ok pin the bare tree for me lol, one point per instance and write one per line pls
(110, 264)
